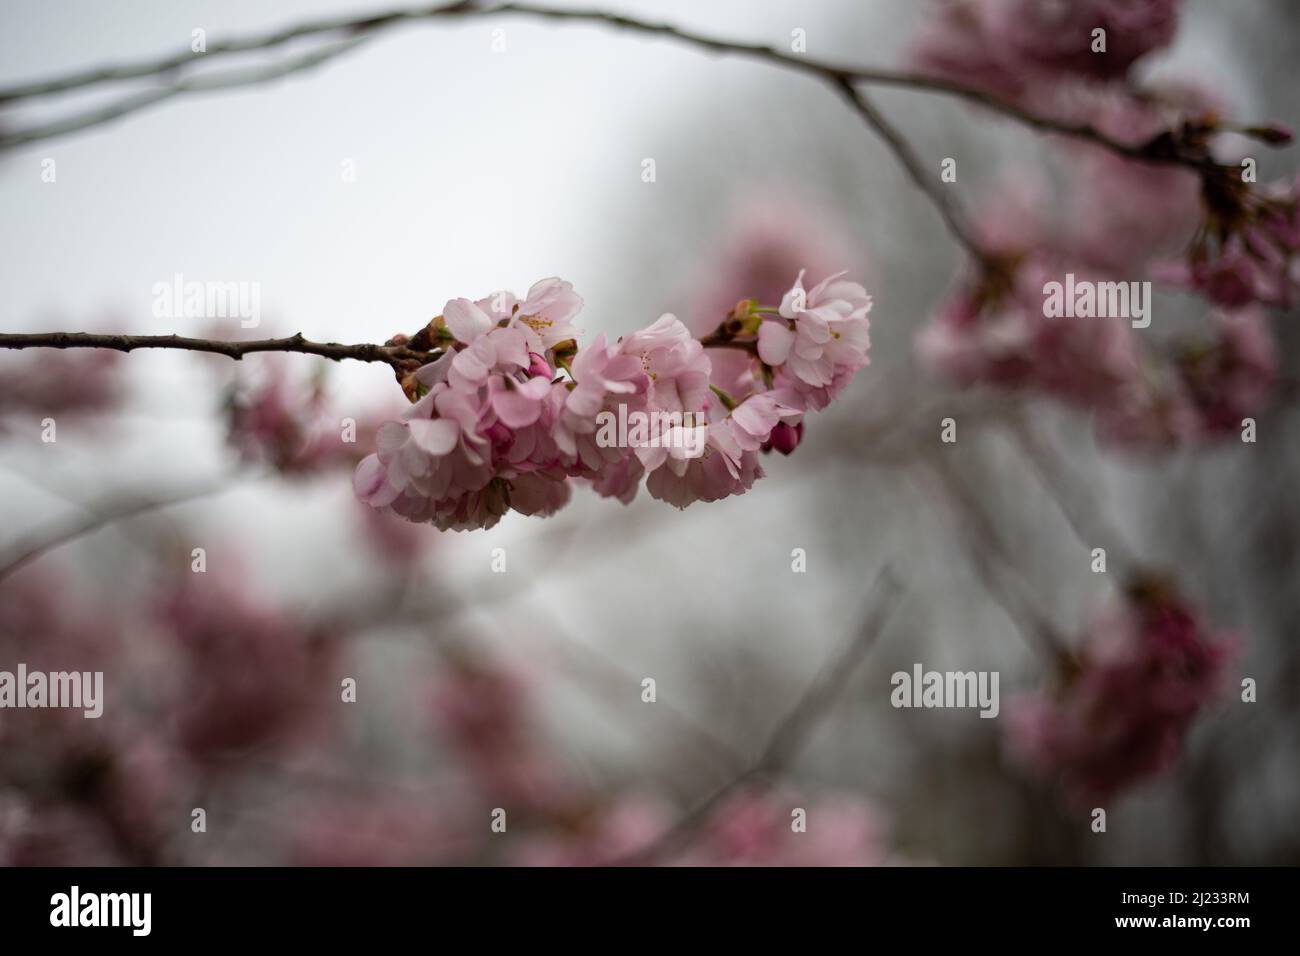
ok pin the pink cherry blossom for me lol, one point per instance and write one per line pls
(994, 332)
(675, 362)
(605, 377)
(1234, 375)
(1051, 36)
(819, 332)
(1249, 248)
(1124, 213)
(483, 708)
(753, 827)
(757, 418)
(768, 239)
(1019, 49)
(1147, 667)
(495, 427)
(250, 669)
(544, 315)
(1204, 391)
(76, 383)
(955, 43)
(720, 469)
(542, 318)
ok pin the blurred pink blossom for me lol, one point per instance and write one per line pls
(757, 827)
(1014, 49)
(252, 675)
(1147, 667)
(57, 383)
(1248, 250)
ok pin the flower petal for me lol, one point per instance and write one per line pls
(465, 320)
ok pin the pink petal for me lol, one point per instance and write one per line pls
(369, 484)
(515, 409)
(466, 320)
(774, 341)
(437, 436)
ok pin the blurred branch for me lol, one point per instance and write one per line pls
(940, 198)
(366, 352)
(63, 531)
(202, 84)
(1160, 150)
(992, 562)
(1081, 512)
(614, 680)
(797, 726)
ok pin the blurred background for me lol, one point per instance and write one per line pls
(477, 688)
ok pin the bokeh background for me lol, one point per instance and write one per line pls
(478, 170)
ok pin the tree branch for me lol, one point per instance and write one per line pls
(61, 532)
(370, 25)
(1081, 511)
(992, 563)
(366, 352)
(795, 727)
(203, 84)
(907, 158)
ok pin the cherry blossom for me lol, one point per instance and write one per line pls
(495, 427)
(1147, 667)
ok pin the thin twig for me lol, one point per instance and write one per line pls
(992, 562)
(66, 530)
(136, 102)
(1084, 515)
(795, 728)
(829, 685)
(372, 24)
(366, 352)
(907, 158)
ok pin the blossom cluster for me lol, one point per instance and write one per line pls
(1148, 666)
(72, 383)
(1201, 226)
(1012, 47)
(508, 416)
(215, 687)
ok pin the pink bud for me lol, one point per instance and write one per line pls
(499, 435)
(786, 438)
(538, 366)
(1274, 134)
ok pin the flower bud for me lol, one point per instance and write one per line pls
(538, 367)
(1274, 134)
(786, 438)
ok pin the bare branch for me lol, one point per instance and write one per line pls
(795, 728)
(366, 352)
(992, 563)
(907, 158)
(63, 531)
(370, 25)
(204, 84)
(1083, 514)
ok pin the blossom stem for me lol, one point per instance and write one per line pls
(729, 402)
